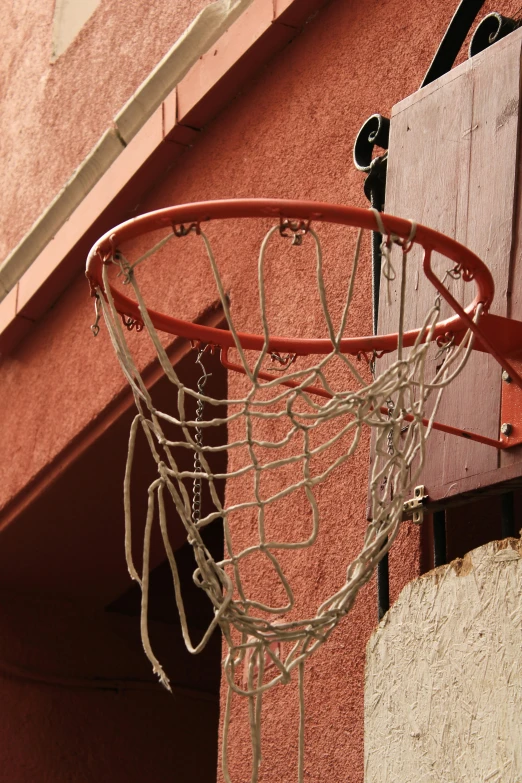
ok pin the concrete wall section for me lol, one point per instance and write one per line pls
(443, 699)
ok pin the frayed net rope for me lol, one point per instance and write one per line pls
(263, 647)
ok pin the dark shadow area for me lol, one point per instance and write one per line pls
(451, 533)
(65, 544)
(206, 665)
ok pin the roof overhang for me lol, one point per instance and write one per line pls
(177, 102)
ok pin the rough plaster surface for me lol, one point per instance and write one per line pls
(199, 36)
(74, 191)
(443, 694)
(290, 134)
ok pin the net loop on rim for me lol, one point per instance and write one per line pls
(302, 427)
(294, 229)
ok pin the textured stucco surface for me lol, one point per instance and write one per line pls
(290, 134)
(55, 112)
(444, 675)
(204, 30)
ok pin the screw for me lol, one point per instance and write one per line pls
(506, 377)
(506, 429)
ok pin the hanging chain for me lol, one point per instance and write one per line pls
(389, 440)
(198, 437)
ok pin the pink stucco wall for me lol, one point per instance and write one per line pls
(54, 113)
(289, 134)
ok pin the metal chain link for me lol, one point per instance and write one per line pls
(198, 437)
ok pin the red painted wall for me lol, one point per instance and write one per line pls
(290, 134)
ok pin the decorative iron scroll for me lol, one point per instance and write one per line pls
(375, 131)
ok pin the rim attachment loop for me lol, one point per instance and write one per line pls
(294, 229)
(181, 230)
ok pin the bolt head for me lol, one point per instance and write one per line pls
(506, 429)
(506, 377)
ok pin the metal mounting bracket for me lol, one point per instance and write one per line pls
(511, 410)
(414, 508)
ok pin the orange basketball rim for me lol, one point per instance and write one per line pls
(497, 335)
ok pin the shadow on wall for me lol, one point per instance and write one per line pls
(76, 685)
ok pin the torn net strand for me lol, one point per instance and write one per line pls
(246, 623)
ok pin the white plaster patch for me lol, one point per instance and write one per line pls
(69, 18)
(443, 693)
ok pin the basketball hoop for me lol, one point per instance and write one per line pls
(266, 642)
(295, 219)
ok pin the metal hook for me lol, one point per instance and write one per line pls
(95, 328)
(445, 342)
(203, 380)
(182, 230)
(285, 361)
(455, 273)
(296, 229)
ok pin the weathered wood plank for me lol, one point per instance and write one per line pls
(487, 230)
(453, 166)
(513, 457)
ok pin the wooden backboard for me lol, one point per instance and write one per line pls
(454, 166)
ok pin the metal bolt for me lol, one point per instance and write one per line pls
(506, 377)
(506, 429)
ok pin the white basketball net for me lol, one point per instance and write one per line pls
(265, 641)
